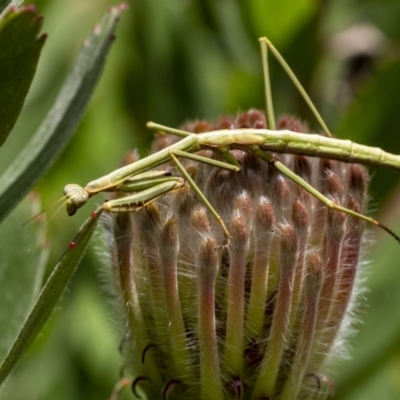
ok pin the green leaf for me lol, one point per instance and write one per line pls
(63, 118)
(50, 294)
(4, 4)
(374, 114)
(22, 263)
(373, 118)
(285, 18)
(20, 50)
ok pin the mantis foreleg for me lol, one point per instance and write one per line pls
(145, 180)
(136, 201)
(77, 195)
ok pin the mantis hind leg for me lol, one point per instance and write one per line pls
(265, 44)
(314, 192)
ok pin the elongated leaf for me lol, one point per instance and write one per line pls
(20, 49)
(22, 263)
(50, 294)
(4, 4)
(62, 119)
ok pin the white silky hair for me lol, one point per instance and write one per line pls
(14, 3)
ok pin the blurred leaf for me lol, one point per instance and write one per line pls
(378, 341)
(4, 4)
(285, 18)
(374, 118)
(50, 295)
(374, 113)
(20, 50)
(62, 119)
(22, 266)
(90, 307)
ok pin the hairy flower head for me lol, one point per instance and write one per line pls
(259, 319)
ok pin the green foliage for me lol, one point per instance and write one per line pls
(20, 50)
(61, 121)
(21, 273)
(4, 4)
(286, 18)
(49, 296)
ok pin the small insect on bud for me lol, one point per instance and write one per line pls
(252, 312)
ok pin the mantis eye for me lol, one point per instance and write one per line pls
(77, 196)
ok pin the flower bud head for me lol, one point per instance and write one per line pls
(255, 319)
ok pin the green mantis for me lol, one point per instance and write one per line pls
(144, 185)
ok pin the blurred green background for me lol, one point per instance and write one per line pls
(183, 59)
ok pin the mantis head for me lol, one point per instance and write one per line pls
(77, 196)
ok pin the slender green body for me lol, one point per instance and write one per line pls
(283, 141)
(306, 144)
